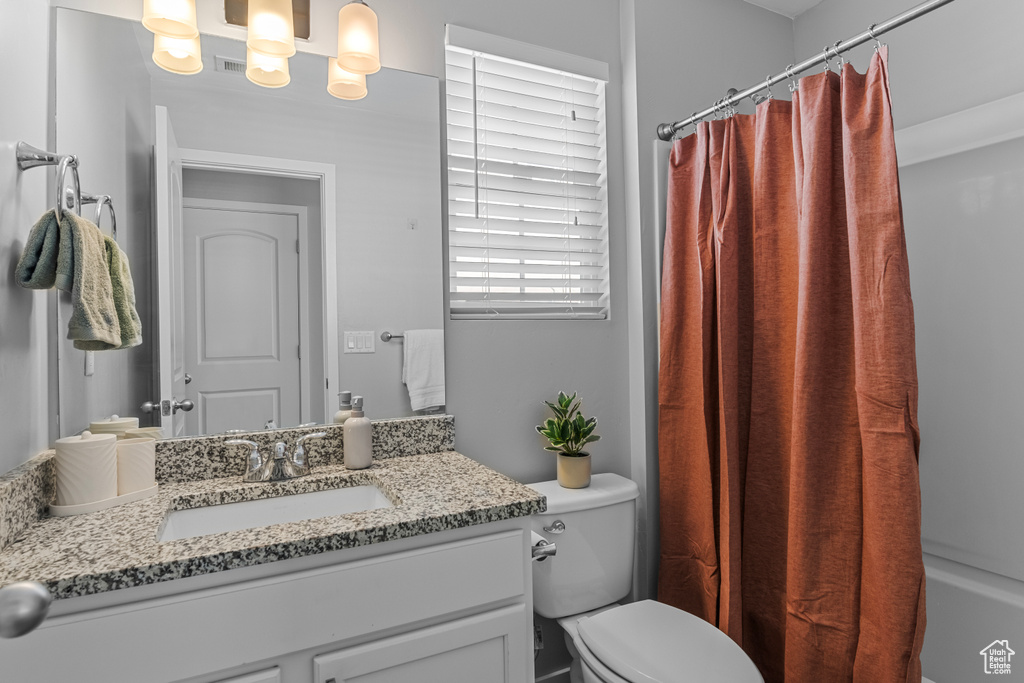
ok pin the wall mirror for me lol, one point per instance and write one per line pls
(262, 226)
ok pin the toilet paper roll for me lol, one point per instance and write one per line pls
(537, 539)
(86, 468)
(136, 464)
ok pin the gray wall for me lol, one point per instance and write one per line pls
(964, 237)
(105, 117)
(24, 334)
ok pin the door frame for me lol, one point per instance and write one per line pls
(325, 175)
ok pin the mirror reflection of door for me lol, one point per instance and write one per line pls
(242, 314)
(168, 195)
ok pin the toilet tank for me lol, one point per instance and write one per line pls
(593, 565)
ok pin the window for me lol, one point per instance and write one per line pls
(527, 195)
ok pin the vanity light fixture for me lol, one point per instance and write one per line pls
(270, 72)
(178, 55)
(271, 28)
(358, 39)
(343, 84)
(171, 18)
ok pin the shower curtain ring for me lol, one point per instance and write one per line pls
(878, 43)
(793, 85)
(825, 55)
(835, 50)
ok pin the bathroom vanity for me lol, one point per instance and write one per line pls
(433, 584)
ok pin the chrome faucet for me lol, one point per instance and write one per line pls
(281, 466)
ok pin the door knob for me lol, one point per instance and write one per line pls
(187, 405)
(23, 606)
(150, 406)
(188, 378)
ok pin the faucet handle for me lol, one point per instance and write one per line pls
(314, 435)
(255, 460)
(300, 451)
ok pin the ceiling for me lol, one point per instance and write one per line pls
(789, 8)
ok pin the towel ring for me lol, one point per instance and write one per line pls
(100, 201)
(74, 200)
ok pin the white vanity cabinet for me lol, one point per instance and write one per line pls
(448, 606)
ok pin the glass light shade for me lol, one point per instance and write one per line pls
(178, 55)
(358, 41)
(270, 72)
(171, 18)
(343, 84)
(271, 28)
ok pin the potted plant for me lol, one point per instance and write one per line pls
(569, 433)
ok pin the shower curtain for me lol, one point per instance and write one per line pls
(790, 502)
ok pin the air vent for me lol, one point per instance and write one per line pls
(230, 65)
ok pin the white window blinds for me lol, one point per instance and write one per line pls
(527, 198)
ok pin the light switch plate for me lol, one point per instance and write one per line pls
(359, 342)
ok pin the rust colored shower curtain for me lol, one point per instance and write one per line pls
(790, 501)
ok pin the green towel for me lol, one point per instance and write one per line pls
(47, 251)
(71, 255)
(124, 296)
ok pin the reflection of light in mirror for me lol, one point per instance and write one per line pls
(343, 84)
(270, 72)
(171, 18)
(358, 42)
(271, 28)
(179, 56)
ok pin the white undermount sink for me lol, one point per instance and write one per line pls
(250, 514)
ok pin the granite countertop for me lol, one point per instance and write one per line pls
(118, 548)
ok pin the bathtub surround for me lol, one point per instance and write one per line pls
(789, 388)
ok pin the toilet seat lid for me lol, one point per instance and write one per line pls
(649, 642)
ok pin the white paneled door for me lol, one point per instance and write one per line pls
(241, 288)
(168, 195)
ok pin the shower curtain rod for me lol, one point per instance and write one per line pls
(666, 131)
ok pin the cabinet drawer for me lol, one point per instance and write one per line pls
(485, 648)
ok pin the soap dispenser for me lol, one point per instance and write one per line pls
(344, 407)
(358, 438)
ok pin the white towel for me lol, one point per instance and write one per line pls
(423, 369)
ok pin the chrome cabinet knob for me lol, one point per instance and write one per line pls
(23, 606)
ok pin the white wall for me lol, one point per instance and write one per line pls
(963, 225)
(24, 409)
(105, 117)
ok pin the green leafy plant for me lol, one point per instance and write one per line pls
(568, 431)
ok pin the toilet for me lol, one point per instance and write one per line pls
(579, 586)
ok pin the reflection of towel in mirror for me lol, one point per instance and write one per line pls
(71, 255)
(423, 369)
(124, 298)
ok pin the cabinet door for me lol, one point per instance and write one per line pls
(486, 648)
